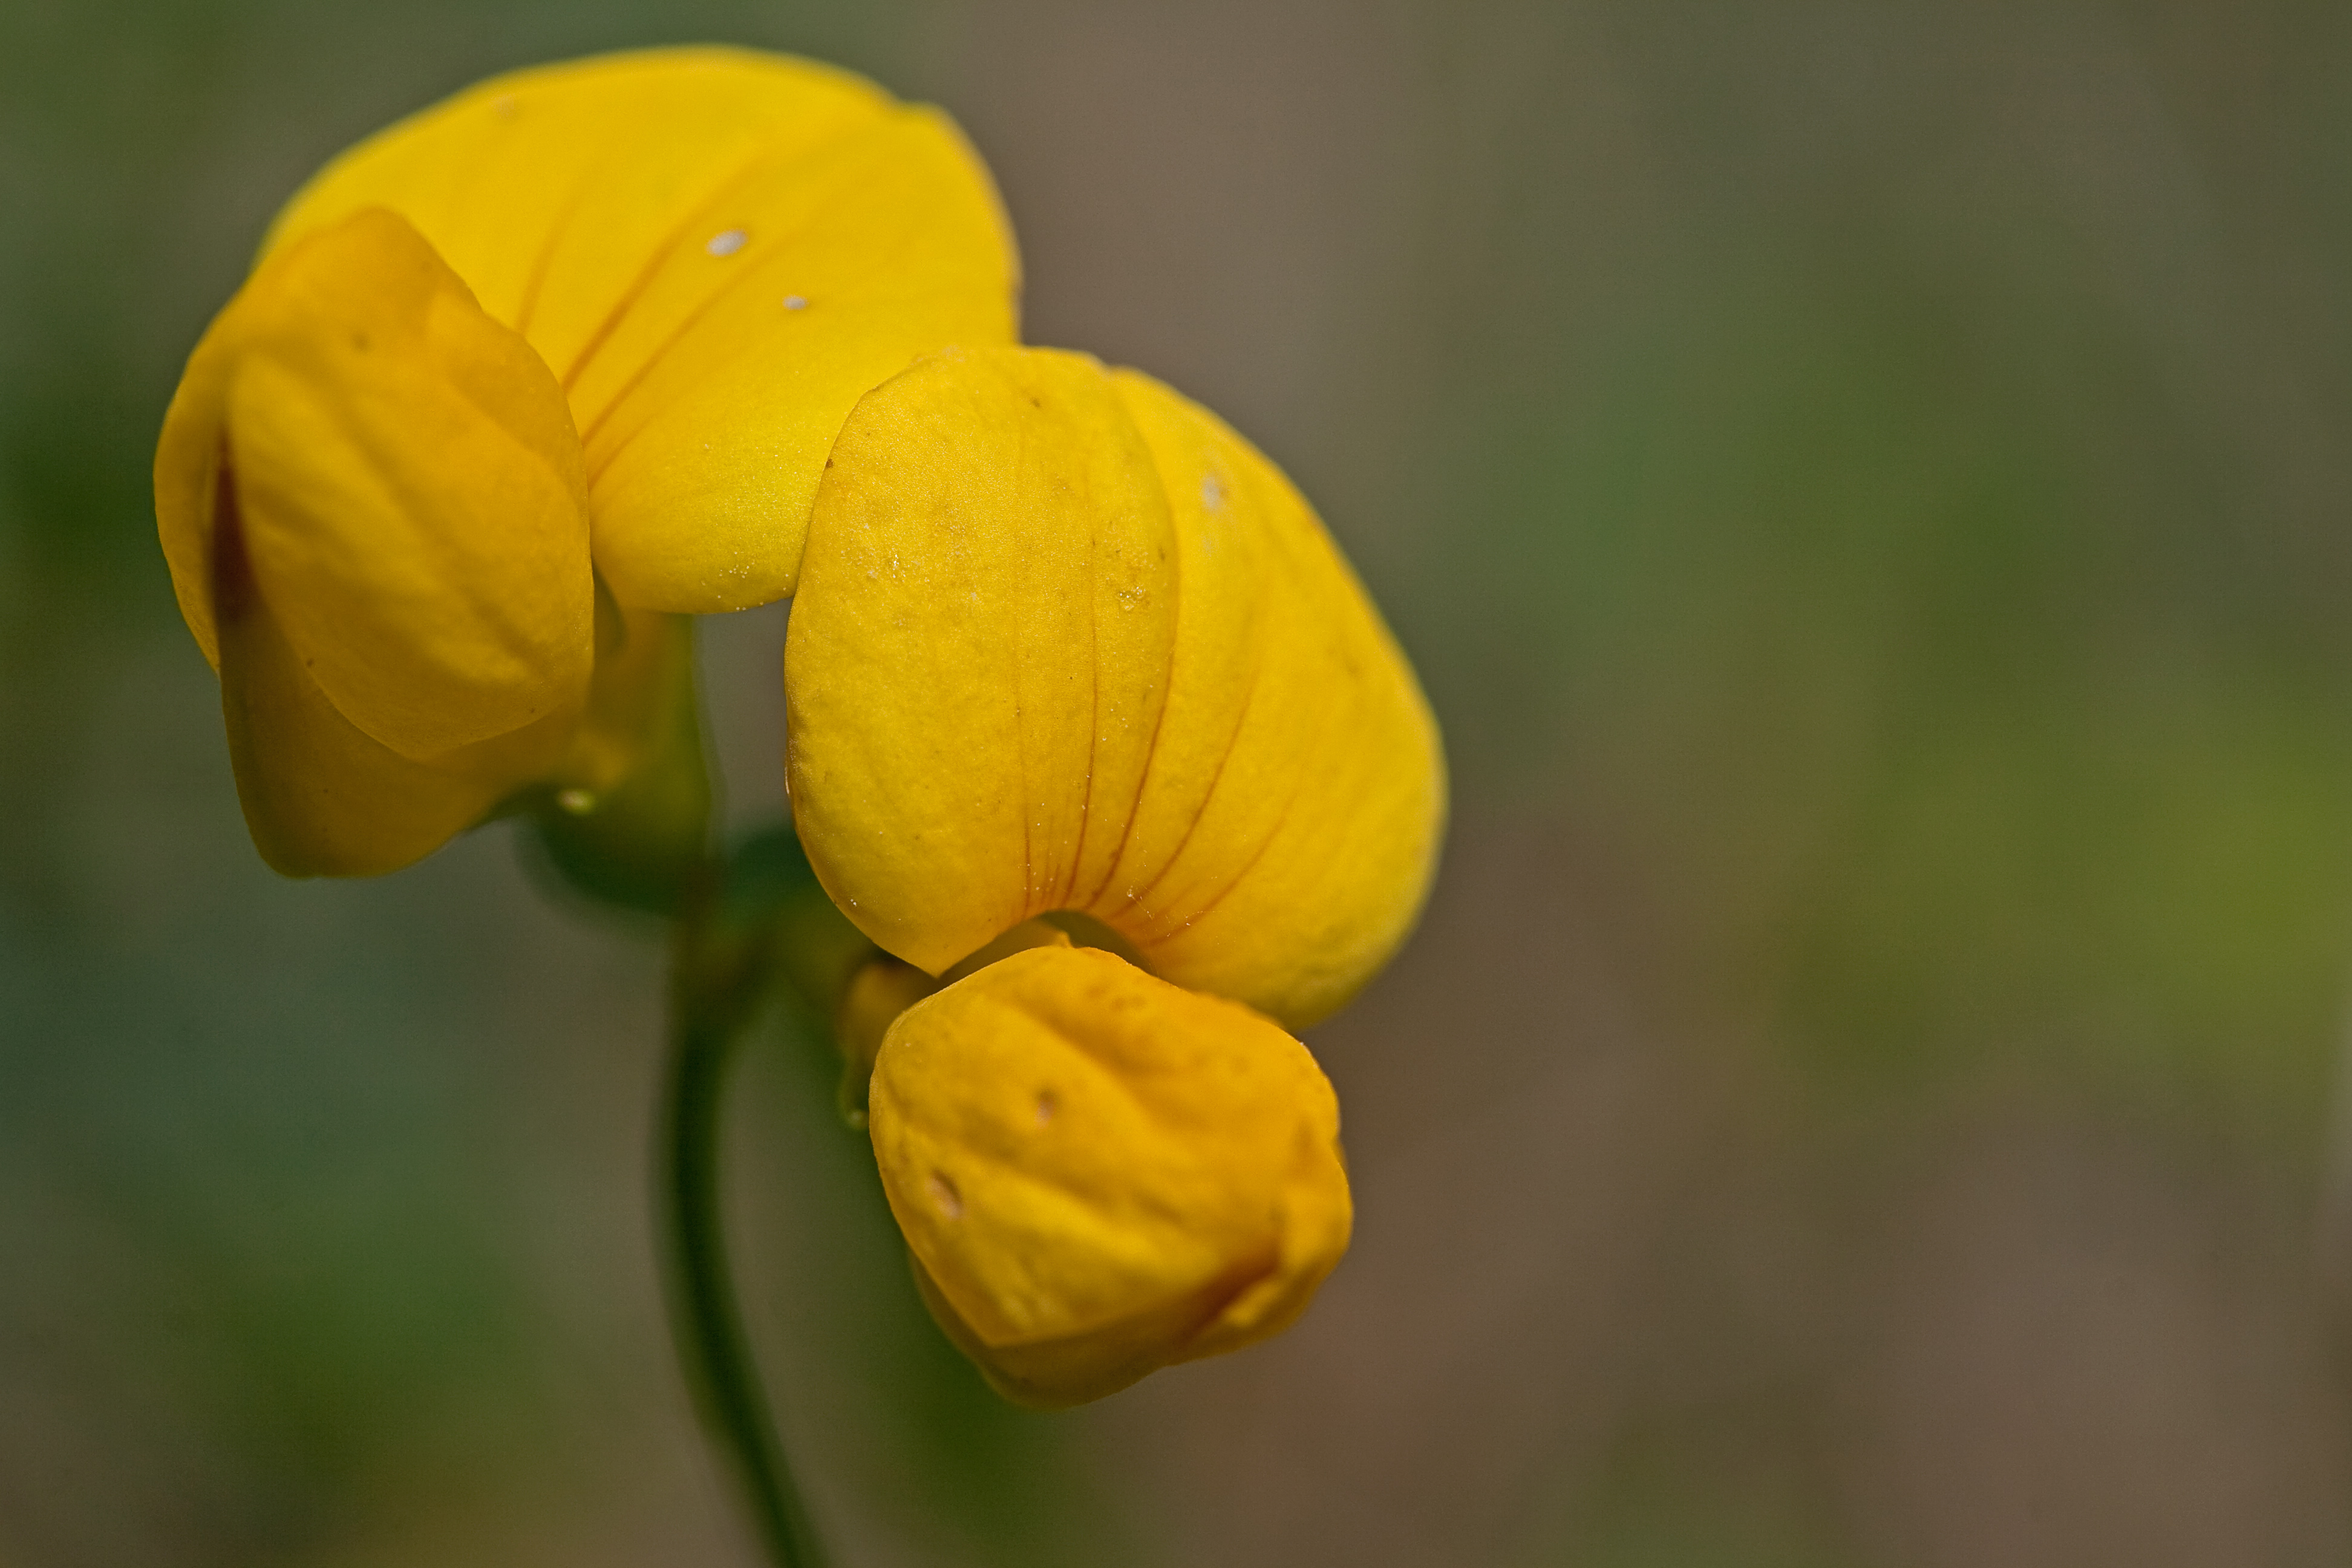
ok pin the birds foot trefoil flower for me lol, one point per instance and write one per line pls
(1108, 772)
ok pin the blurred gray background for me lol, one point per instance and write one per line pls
(1867, 487)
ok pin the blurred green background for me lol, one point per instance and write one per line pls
(1867, 487)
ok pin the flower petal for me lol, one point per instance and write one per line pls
(717, 251)
(371, 501)
(408, 487)
(322, 797)
(1100, 1173)
(1066, 642)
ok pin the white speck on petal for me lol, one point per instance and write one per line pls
(795, 302)
(726, 242)
(944, 1193)
(504, 104)
(1213, 494)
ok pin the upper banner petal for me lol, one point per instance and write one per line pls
(717, 251)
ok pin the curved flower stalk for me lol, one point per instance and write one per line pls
(1093, 739)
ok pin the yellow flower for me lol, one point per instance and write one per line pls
(518, 383)
(1066, 647)
(1100, 1173)
(595, 322)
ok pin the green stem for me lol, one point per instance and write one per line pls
(717, 980)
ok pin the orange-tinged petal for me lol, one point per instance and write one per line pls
(1066, 642)
(1100, 1173)
(717, 251)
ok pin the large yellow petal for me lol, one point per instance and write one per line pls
(1100, 1173)
(717, 251)
(1066, 642)
(409, 484)
(373, 507)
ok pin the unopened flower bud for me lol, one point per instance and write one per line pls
(1101, 1173)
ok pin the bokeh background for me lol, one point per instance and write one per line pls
(1867, 487)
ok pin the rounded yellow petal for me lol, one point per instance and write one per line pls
(717, 251)
(1100, 1173)
(373, 503)
(1066, 642)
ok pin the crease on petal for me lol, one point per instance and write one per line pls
(987, 515)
